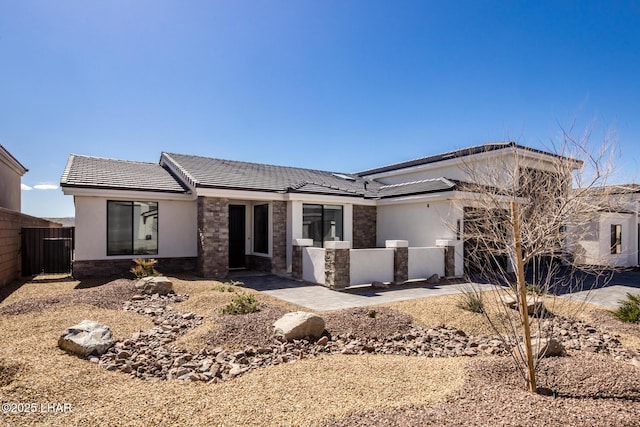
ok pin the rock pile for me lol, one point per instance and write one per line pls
(150, 355)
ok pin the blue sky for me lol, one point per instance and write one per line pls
(334, 85)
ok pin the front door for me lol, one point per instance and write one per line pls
(237, 236)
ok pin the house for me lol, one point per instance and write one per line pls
(212, 215)
(12, 221)
(11, 172)
(612, 236)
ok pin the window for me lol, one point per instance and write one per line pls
(132, 228)
(322, 223)
(616, 239)
(261, 229)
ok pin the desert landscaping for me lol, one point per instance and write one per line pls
(178, 360)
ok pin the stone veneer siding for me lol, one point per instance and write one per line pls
(279, 238)
(400, 265)
(296, 262)
(337, 268)
(258, 263)
(213, 237)
(364, 226)
(122, 267)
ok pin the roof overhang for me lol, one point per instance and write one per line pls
(7, 158)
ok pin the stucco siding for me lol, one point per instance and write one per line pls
(421, 224)
(177, 229)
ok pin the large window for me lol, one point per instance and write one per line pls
(616, 239)
(132, 228)
(261, 229)
(322, 223)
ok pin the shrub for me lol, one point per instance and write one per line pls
(241, 304)
(144, 267)
(471, 300)
(372, 313)
(223, 287)
(629, 310)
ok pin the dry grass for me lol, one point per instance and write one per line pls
(33, 369)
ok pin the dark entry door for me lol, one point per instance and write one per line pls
(237, 236)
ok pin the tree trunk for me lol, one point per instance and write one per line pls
(522, 293)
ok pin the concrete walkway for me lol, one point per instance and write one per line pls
(320, 298)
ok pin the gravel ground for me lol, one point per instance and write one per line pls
(327, 390)
(591, 390)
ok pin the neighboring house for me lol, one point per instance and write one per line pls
(213, 215)
(612, 238)
(11, 172)
(11, 220)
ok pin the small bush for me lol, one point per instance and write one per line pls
(372, 313)
(223, 287)
(241, 304)
(144, 267)
(629, 310)
(471, 300)
(535, 289)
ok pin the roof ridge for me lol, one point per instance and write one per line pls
(112, 159)
(265, 164)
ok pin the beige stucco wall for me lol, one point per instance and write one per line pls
(9, 187)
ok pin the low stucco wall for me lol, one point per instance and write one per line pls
(425, 262)
(313, 265)
(371, 265)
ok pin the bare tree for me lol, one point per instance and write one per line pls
(524, 212)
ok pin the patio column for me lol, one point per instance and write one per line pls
(400, 259)
(213, 237)
(296, 262)
(337, 264)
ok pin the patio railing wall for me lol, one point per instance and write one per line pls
(338, 266)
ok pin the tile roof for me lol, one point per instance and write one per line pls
(205, 172)
(208, 172)
(493, 146)
(101, 173)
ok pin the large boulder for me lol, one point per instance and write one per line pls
(534, 305)
(87, 337)
(546, 347)
(154, 285)
(298, 325)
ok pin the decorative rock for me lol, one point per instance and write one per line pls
(298, 325)
(534, 306)
(86, 338)
(379, 285)
(154, 285)
(433, 279)
(547, 347)
(323, 340)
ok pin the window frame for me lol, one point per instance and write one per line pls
(616, 239)
(255, 239)
(322, 221)
(132, 204)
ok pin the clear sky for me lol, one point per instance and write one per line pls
(340, 85)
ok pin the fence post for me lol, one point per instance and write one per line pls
(337, 264)
(296, 262)
(400, 259)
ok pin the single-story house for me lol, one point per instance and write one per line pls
(612, 237)
(212, 215)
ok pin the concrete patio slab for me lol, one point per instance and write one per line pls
(608, 296)
(320, 298)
